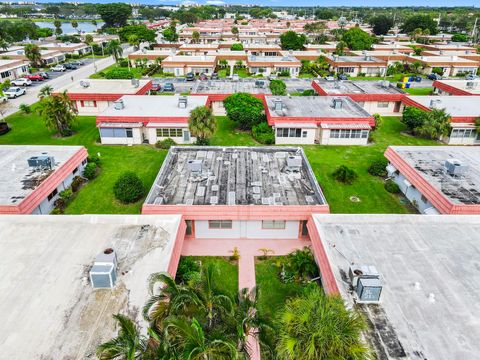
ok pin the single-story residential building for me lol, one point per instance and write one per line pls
(393, 47)
(456, 87)
(449, 47)
(321, 48)
(390, 56)
(263, 49)
(68, 48)
(197, 49)
(135, 119)
(12, 69)
(450, 65)
(437, 179)
(149, 56)
(269, 65)
(463, 111)
(33, 176)
(49, 57)
(310, 55)
(92, 96)
(231, 57)
(464, 54)
(180, 65)
(324, 120)
(355, 65)
(376, 97)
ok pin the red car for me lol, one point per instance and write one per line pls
(35, 77)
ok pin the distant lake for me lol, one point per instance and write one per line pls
(67, 28)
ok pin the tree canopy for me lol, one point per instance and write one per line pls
(357, 39)
(141, 32)
(381, 24)
(423, 22)
(290, 40)
(245, 109)
(115, 14)
(202, 124)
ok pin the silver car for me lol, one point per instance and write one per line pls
(14, 91)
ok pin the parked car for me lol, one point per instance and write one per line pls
(156, 87)
(44, 75)
(14, 91)
(214, 76)
(35, 77)
(70, 66)
(272, 77)
(190, 77)
(434, 77)
(342, 77)
(330, 78)
(260, 84)
(58, 68)
(235, 77)
(78, 63)
(168, 87)
(472, 77)
(21, 82)
(203, 77)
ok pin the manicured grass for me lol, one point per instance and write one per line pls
(272, 292)
(242, 72)
(137, 72)
(226, 280)
(96, 197)
(419, 91)
(306, 76)
(228, 135)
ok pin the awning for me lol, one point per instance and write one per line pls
(296, 125)
(119, 125)
(167, 125)
(345, 126)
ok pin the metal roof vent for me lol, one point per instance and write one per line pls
(337, 103)
(294, 163)
(84, 84)
(471, 84)
(194, 165)
(278, 104)
(182, 102)
(434, 103)
(119, 104)
(135, 83)
(455, 167)
(103, 274)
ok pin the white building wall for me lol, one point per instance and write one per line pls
(136, 139)
(151, 135)
(309, 140)
(218, 109)
(251, 229)
(412, 193)
(372, 108)
(92, 110)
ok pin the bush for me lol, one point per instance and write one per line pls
(94, 159)
(128, 188)
(76, 183)
(119, 73)
(236, 47)
(123, 63)
(66, 195)
(263, 133)
(90, 171)
(278, 87)
(344, 174)
(25, 108)
(391, 187)
(188, 269)
(56, 211)
(308, 92)
(299, 266)
(378, 168)
(245, 110)
(165, 144)
(284, 73)
(413, 118)
(202, 142)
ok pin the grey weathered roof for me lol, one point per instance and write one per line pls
(357, 87)
(235, 176)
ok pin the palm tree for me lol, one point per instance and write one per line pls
(436, 125)
(58, 112)
(94, 23)
(45, 91)
(195, 36)
(235, 32)
(32, 53)
(75, 24)
(317, 326)
(4, 44)
(202, 124)
(191, 342)
(58, 27)
(115, 49)
(128, 345)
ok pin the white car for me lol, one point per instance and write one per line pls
(58, 68)
(21, 82)
(3, 98)
(14, 91)
(235, 77)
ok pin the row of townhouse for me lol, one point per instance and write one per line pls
(342, 114)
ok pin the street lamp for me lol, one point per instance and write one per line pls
(93, 57)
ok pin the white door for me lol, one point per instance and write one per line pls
(186, 136)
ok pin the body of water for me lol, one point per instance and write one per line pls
(67, 28)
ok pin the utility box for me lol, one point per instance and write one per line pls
(103, 276)
(369, 290)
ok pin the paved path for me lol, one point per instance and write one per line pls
(248, 249)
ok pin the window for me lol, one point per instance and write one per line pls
(304, 134)
(5, 74)
(462, 133)
(169, 133)
(348, 134)
(273, 224)
(304, 227)
(220, 224)
(75, 171)
(346, 70)
(129, 132)
(382, 104)
(189, 230)
(290, 132)
(84, 161)
(424, 199)
(52, 195)
(113, 132)
(88, 103)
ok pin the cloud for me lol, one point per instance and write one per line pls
(215, 2)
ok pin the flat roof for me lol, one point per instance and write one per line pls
(358, 87)
(46, 294)
(154, 106)
(315, 107)
(428, 162)
(273, 59)
(235, 176)
(18, 179)
(470, 86)
(416, 256)
(456, 105)
(444, 59)
(357, 59)
(231, 87)
(189, 59)
(104, 86)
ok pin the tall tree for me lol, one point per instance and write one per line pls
(195, 37)
(290, 40)
(75, 24)
(357, 39)
(436, 125)
(94, 23)
(235, 31)
(58, 111)
(58, 27)
(381, 24)
(202, 123)
(115, 49)
(115, 14)
(32, 53)
(419, 22)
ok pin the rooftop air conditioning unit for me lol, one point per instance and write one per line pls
(182, 102)
(337, 103)
(278, 104)
(84, 84)
(471, 84)
(294, 163)
(435, 103)
(194, 165)
(362, 271)
(103, 274)
(135, 83)
(119, 104)
(455, 167)
(369, 290)
(43, 161)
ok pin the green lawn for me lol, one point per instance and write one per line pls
(272, 292)
(227, 279)
(137, 72)
(419, 91)
(227, 134)
(242, 72)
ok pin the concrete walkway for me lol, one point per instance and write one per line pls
(248, 249)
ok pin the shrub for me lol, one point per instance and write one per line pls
(66, 195)
(344, 174)
(90, 171)
(25, 108)
(56, 211)
(188, 269)
(236, 47)
(263, 133)
(284, 73)
(76, 183)
(202, 142)
(165, 144)
(392, 187)
(278, 87)
(299, 266)
(308, 92)
(119, 73)
(60, 204)
(378, 168)
(123, 63)
(245, 110)
(128, 188)
(413, 118)
(94, 159)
